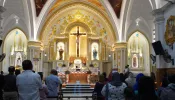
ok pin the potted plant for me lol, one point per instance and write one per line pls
(89, 72)
(91, 65)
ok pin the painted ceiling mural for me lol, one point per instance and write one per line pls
(116, 5)
(93, 2)
(39, 4)
(57, 26)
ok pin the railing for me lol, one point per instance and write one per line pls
(87, 97)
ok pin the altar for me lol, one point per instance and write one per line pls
(77, 54)
(82, 77)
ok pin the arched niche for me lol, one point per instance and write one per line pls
(15, 48)
(138, 53)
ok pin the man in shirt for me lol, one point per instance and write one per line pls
(10, 90)
(53, 83)
(28, 83)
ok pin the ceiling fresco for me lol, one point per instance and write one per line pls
(116, 5)
(60, 21)
(93, 2)
(39, 4)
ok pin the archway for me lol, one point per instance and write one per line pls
(138, 53)
(15, 47)
(94, 27)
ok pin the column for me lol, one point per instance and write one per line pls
(2, 9)
(159, 33)
(121, 56)
(35, 54)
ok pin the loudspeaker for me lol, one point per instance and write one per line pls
(0, 43)
(158, 48)
(41, 74)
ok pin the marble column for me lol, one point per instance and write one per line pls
(159, 33)
(2, 10)
(35, 54)
(121, 56)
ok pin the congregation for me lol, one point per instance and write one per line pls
(29, 85)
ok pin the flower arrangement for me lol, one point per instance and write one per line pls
(91, 65)
(89, 72)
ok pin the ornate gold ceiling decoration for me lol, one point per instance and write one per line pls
(58, 21)
(96, 3)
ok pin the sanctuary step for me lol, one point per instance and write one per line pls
(77, 88)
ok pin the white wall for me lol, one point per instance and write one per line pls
(170, 11)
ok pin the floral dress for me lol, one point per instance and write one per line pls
(114, 93)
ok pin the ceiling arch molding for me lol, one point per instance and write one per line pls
(70, 26)
(102, 19)
(105, 15)
(128, 16)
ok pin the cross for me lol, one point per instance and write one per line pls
(78, 34)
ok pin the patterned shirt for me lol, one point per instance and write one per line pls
(114, 93)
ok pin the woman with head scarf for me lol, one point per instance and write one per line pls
(130, 80)
(98, 87)
(114, 90)
(135, 87)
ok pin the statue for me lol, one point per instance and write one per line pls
(95, 53)
(61, 53)
(19, 61)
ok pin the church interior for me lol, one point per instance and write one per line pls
(83, 38)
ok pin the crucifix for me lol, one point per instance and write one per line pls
(78, 34)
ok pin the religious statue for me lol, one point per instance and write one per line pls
(134, 61)
(18, 61)
(95, 53)
(61, 53)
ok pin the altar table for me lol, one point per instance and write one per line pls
(78, 76)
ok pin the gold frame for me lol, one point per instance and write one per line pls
(170, 40)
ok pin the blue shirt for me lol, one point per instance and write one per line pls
(53, 82)
(28, 84)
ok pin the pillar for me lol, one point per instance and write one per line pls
(159, 33)
(2, 9)
(120, 56)
(35, 54)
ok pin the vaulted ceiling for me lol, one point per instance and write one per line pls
(122, 13)
(116, 5)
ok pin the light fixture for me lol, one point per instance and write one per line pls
(109, 55)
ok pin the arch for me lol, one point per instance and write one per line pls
(94, 16)
(129, 35)
(62, 8)
(139, 50)
(70, 26)
(127, 15)
(15, 41)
